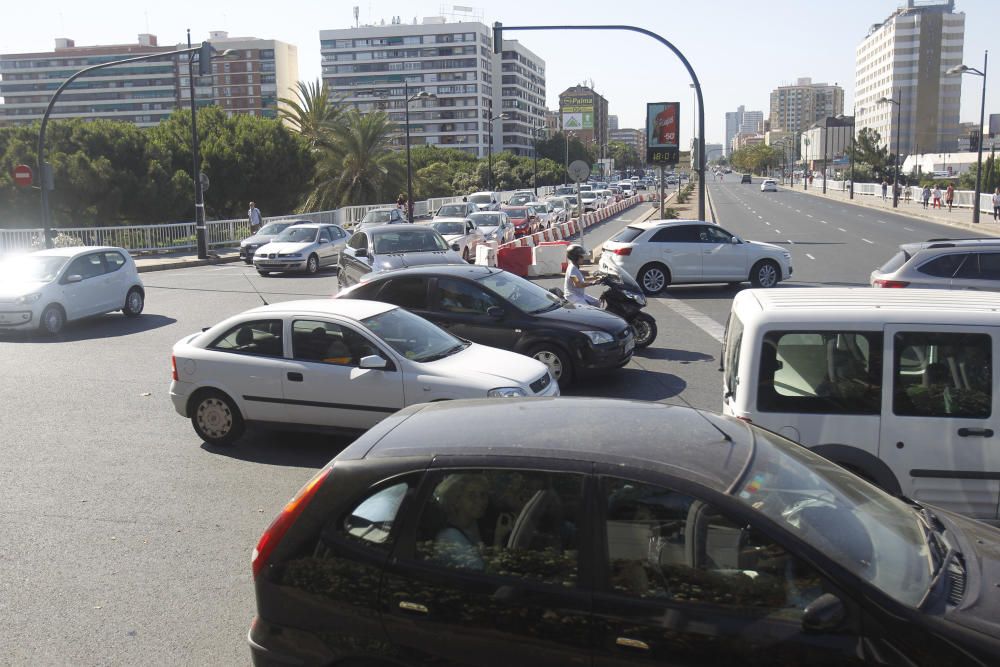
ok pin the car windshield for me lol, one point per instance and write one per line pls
(486, 219)
(274, 228)
(449, 228)
(526, 295)
(519, 199)
(875, 536)
(297, 235)
(377, 217)
(413, 337)
(517, 212)
(31, 268)
(409, 239)
(452, 210)
(557, 203)
(481, 199)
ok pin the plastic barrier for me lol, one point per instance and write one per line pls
(515, 259)
(486, 254)
(548, 258)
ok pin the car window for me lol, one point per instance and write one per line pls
(449, 228)
(324, 235)
(359, 241)
(260, 337)
(895, 262)
(113, 261)
(372, 519)
(516, 524)
(337, 232)
(662, 544)
(942, 374)
(297, 234)
(30, 267)
(679, 234)
(524, 294)
(712, 234)
(461, 297)
(944, 266)
(412, 238)
(981, 266)
(329, 343)
(87, 266)
(409, 292)
(627, 235)
(453, 210)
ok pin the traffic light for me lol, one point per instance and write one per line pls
(205, 59)
(497, 37)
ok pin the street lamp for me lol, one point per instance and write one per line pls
(854, 117)
(805, 161)
(895, 178)
(963, 69)
(502, 116)
(422, 95)
(534, 172)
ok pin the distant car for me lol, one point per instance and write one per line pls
(591, 200)
(462, 233)
(546, 212)
(746, 178)
(382, 216)
(564, 190)
(972, 264)
(388, 247)
(660, 253)
(769, 185)
(561, 206)
(520, 199)
(306, 247)
(462, 209)
(485, 201)
(46, 289)
(494, 225)
(524, 218)
(333, 364)
(264, 235)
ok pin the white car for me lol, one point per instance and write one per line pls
(664, 252)
(461, 232)
(485, 201)
(43, 290)
(769, 185)
(333, 364)
(495, 226)
(546, 212)
(304, 247)
(382, 216)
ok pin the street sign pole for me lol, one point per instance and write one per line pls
(579, 171)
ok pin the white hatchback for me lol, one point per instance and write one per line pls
(769, 185)
(664, 252)
(45, 289)
(334, 364)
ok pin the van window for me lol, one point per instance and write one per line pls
(827, 372)
(731, 354)
(942, 374)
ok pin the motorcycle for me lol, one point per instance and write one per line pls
(623, 297)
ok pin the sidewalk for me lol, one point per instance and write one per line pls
(184, 259)
(958, 217)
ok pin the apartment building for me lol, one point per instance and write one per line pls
(585, 113)
(795, 108)
(632, 137)
(733, 120)
(905, 57)
(522, 98)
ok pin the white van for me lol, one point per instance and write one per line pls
(899, 386)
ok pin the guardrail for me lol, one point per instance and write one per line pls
(963, 198)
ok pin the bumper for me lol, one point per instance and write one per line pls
(247, 252)
(18, 319)
(280, 264)
(179, 394)
(597, 359)
(522, 231)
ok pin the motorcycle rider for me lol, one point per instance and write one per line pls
(574, 283)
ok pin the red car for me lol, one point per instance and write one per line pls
(524, 219)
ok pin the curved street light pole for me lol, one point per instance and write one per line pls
(422, 95)
(895, 178)
(962, 69)
(490, 150)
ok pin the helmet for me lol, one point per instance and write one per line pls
(575, 252)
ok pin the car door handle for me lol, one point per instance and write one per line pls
(414, 607)
(632, 643)
(968, 432)
(294, 377)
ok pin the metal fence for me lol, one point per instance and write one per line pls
(963, 198)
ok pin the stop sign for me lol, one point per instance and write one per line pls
(22, 175)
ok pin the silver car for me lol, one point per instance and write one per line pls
(307, 247)
(264, 235)
(460, 232)
(382, 216)
(972, 264)
(388, 247)
(494, 225)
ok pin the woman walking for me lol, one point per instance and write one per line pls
(937, 196)
(950, 196)
(996, 205)
(926, 195)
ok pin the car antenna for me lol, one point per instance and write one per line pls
(254, 287)
(725, 436)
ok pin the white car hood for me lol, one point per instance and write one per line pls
(284, 248)
(496, 368)
(452, 238)
(10, 291)
(770, 247)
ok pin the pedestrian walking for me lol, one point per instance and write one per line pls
(996, 205)
(253, 215)
(936, 195)
(950, 196)
(926, 195)
(885, 189)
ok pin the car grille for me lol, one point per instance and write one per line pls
(540, 384)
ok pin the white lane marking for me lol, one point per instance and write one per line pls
(907, 229)
(867, 241)
(777, 231)
(797, 211)
(823, 221)
(790, 242)
(841, 229)
(695, 317)
(767, 223)
(809, 215)
(810, 256)
(860, 216)
(760, 217)
(881, 222)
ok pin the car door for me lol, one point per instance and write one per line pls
(721, 258)
(938, 427)
(488, 571)
(324, 384)
(118, 279)
(679, 247)
(325, 249)
(352, 264)
(981, 271)
(473, 237)
(467, 310)
(681, 582)
(88, 295)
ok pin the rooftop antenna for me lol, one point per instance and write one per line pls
(356, 11)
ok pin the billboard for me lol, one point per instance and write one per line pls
(578, 121)
(663, 132)
(995, 124)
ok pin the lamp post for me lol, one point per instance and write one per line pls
(422, 95)
(805, 161)
(895, 178)
(566, 136)
(490, 150)
(854, 121)
(826, 133)
(963, 69)
(534, 171)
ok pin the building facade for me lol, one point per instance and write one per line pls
(522, 98)
(752, 122)
(829, 137)
(632, 137)
(905, 58)
(250, 80)
(585, 113)
(733, 120)
(795, 108)
(612, 123)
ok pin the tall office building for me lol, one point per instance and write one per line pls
(612, 123)
(522, 98)
(631, 137)
(752, 122)
(795, 108)
(733, 121)
(250, 80)
(905, 57)
(585, 113)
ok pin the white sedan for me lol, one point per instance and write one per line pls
(769, 185)
(340, 365)
(461, 232)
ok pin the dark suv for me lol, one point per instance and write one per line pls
(746, 179)
(552, 532)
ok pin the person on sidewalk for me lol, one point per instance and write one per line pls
(996, 205)
(949, 196)
(253, 215)
(936, 194)
(885, 188)
(926, 195)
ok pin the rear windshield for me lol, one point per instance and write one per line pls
(627, 235)
(480, 199)
(895, 263)
(409, 239)
(454, 210)
(517, 212)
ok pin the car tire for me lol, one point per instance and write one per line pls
(53, 320)
(556, 360)
(264, 273)
(135, 300)
(654, 278)
(644, 328)
(765, 273)
(312, 264)
(215, 417)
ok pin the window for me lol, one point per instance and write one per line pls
(981, 266)
(260, 337)
(324, 235)
(662, 544)
(359, 241)
(712, 234)
(405, 292)
(522, 525)
(832, 372)
(945, 374)
(944, 266)
(682, 234)
(372, 520)
(460, 297)
(87, 266)
(731, 354)
(329, 343)
(113, 261)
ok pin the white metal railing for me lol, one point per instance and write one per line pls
(963, 198)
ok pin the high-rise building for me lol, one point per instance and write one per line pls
(632, 137)
(250, 80)
(733, 121)
(752, 122)
(905, 57)
(612, 123)
(522, 97)
(795, 108)
(585, 113)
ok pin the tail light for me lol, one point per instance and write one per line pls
(173, 368)
(276, 531)
(881, 282)
(624, 252)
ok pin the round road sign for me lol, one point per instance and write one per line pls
(22, 175)
(579, 170)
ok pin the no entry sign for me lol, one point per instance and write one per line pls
(22, 175)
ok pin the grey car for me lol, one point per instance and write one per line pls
(387, 247)
(264, 235)
(306, 247)
(382, 216)
(943, 264)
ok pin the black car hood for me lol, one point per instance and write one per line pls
(584, 318)
(980, 547)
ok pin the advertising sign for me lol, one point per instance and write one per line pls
(572, 121)
(995, 124)
(663, 132)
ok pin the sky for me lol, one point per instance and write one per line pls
(739, 50)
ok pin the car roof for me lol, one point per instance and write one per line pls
(711, 449)
(396, 228)
(356, 309)
(656, 224)
(73, 251)
(471, 271)
(932, 244)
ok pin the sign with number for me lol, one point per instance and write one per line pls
(663, 124)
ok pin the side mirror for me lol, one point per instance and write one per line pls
(455, 247)
(734, 240)
(495, 312)
(75, 278)
(361, 252)
(824, 614)
(373, 361)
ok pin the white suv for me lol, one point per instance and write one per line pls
(664, 252)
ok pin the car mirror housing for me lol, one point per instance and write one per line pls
(496, 312)
(373, 361)
(735, 239)
(75, 278)
(455, 247)
(824, 614)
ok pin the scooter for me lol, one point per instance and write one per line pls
(623, 297)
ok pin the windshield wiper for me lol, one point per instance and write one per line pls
(441, 355)
(550, 307)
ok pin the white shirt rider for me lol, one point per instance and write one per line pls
(574, 286)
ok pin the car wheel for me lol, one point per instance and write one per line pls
(654, 278)
(264, 273)
(557, 362)
(134, 302)
(215, 417)
(312, 264)
(644, 327)
(52, 320)
(765, 273)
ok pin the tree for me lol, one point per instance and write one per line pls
(871, 159)
(312, 113)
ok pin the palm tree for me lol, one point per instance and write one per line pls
(312, 114)
(370, 169)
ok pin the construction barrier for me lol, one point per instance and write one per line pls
(548, 258)
(516, 259)
(486, 254)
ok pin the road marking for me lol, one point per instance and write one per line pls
(767, 223)
(907, 229)
(867, 241)
(810, 256)
(883, 222)
(777, 231)
(797, 211)
(823, 221)
(696, 317)
(791, 242)
(760, 217)
(860, 216)
(841, 229)
(808, 215)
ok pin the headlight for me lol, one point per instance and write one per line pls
(29, 298)
(638, 298)
(506, 392)
(599, 337)
(291, 255)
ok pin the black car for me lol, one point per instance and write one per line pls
(393, 246)
(746, 178)
(496, 308)
(541, 532)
